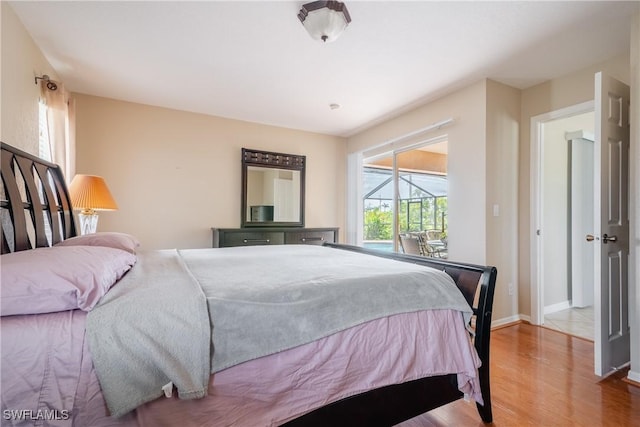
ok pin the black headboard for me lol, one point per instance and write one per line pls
(35, 207)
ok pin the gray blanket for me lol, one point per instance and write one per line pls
(260, 300)
(151, 328)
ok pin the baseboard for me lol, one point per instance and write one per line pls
(507, 321)
(557, 307)
(632, 378)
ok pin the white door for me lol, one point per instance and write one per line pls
(581, 218)
(611, 218)
(284, 205)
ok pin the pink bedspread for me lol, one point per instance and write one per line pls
(47, 373)
(47, 377)
(274, 389)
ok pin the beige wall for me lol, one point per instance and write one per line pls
(176, 174)
(22, 61)
(502, 127)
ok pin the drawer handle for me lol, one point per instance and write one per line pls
(312, 239)
(256, 241)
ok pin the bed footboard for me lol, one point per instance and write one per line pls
(386, 406)
(396, 403)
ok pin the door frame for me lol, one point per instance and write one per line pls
(537, 205)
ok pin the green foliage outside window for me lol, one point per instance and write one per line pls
(378, 224)
(422, 206)
(441, 215)
(414, 215)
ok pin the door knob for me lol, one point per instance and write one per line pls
(590, 237)
(607, 239)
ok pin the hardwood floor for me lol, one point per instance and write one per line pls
(541, 377)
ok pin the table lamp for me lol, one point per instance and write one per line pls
(90, 194)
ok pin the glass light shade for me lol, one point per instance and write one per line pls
(324, 20)
(88, 222)
(90, 193)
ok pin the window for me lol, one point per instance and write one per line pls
(418, 188)
(44, 152)
(44, 149)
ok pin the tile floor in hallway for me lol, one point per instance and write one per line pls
(573, 321)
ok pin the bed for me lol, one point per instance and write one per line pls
(371, 370)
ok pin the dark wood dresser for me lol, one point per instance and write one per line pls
(251, 236)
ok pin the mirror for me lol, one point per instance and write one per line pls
(272, 189)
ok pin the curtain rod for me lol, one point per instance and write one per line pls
(51, 85)
(391, 143)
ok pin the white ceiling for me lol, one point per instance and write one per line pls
(254, 61)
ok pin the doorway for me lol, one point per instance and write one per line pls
(565, 206)
(610, 237)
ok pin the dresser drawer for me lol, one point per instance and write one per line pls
(309, 237)
(252, 238)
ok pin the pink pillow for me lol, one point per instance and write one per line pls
(47, 280)
(109, 239)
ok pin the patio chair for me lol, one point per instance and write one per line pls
(410, 244)
(434, 234)
(434, 251)
(437, 243)
(430, 248)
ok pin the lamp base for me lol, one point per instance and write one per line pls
(88, 222)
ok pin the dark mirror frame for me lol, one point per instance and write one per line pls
(268, 159)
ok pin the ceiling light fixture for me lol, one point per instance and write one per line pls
(324, 20)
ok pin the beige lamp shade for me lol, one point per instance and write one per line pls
(90, 192)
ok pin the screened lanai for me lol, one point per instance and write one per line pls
(422, 203)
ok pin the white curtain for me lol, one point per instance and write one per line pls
(61, 126)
